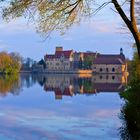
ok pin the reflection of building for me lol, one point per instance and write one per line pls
(65, 84)
(69, 85)
(109, 78)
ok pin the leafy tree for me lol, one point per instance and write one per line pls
(88, 61)
(61, 14)
(130, 112)
(42, 62)
(8, 64)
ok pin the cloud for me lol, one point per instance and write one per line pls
(103, 27)
(17, 26)
(104, 24)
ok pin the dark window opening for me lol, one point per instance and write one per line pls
(101, 77)
(101, 69)
(113, 77)
(106, 69)
(113, 69)
(107, 77)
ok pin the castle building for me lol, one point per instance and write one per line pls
(112, 64)
(68, 60)
(61, 60)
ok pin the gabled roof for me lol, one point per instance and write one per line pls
(66, 54)
(59, 54)
(109, 59)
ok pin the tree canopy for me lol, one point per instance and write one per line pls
(61, 14)
(130, 114)
(8, 64)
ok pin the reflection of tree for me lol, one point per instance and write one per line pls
(8, 83)
(88, 87)
(15, 83)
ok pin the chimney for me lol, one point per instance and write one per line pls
(59, 49)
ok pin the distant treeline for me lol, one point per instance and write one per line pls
(11, 63)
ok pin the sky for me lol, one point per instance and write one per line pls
(101, 33)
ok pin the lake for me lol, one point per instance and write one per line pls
(61, 107)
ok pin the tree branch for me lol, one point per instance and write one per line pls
(122, 14)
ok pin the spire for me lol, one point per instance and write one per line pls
(121, 51)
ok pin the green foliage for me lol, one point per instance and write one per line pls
(88, 87)
(8, 64)
(42, 62)
(136, 66)
(88, 62)
(130, 113)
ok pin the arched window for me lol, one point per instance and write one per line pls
(113, 69)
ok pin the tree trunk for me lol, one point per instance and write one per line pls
(137, 39)
(131, 24)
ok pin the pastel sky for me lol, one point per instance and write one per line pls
(102, 33)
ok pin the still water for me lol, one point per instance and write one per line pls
(61, 107)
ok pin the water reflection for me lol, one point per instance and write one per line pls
(35, 114)
(9, 83)
(64, 85)
(69, 85)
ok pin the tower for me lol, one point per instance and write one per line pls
(59, 49)
(121, 51)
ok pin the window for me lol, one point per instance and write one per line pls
(101, 77)
(113, 77)
(113, 69)
(107, 77)
(106, 69)
(101, 69)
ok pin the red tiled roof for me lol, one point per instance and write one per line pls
(58, 54)
(66, 54)
(67, 92)
(58, 91)
(109, 59)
